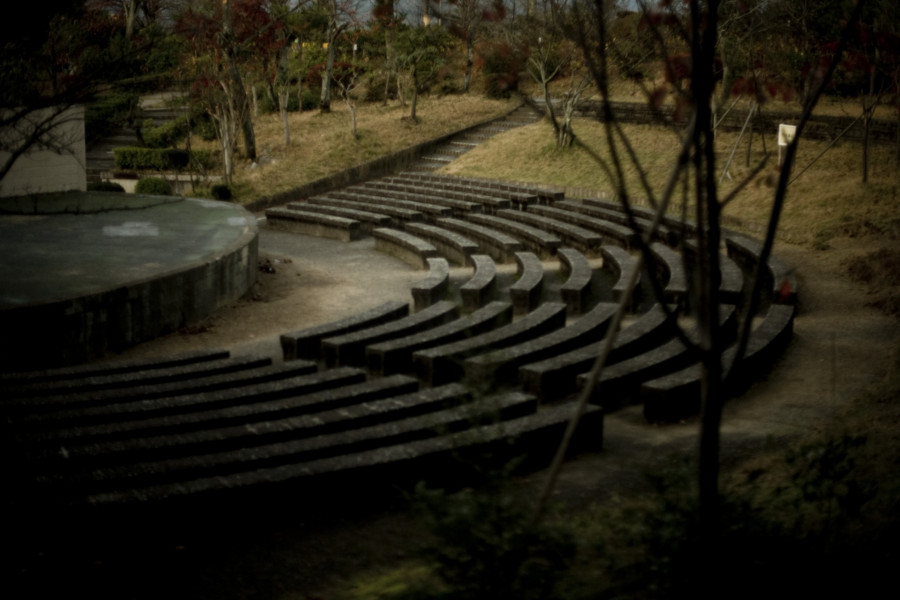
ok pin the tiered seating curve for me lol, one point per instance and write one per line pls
(473, 361)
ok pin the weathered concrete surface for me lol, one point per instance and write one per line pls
(84, 274)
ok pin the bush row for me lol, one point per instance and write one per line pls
(162, 159)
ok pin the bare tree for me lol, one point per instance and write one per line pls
(695, 163)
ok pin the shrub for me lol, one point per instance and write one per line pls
(220, 191)
(500, 63)
(485, 546)
(202, 124)
(164, 135)
(154, 186)
(161, 159)
(105, 186)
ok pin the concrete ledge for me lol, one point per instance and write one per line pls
(139, 273)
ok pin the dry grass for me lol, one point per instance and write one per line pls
(322, 144)
(827, 200)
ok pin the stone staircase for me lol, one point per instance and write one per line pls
(463, 142)
(100, 159)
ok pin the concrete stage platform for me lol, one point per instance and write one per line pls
(83, 274)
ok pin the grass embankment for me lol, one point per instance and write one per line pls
(322, 144)
(801, 517)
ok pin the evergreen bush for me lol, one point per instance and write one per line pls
(220, 191)
(155, 186)
(105, 186)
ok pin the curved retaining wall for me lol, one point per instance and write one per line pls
(107, 280)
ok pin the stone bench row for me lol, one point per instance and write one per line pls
(111, 465)
(435, 286)
(180, 413)
(306, 222)
(544, 194)
(468, 200)
(128, 368)
(569, 211)
(367, 220)
(620, 382)
(555, 377)
(500, 366)
(380, 202)
(676, 395)
(537, 240)
(434, 459)
(443, 412)
(459, 204)
(569, 234)
(123, 399)
(51, 389)
(493, 197)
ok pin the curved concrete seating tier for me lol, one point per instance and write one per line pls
(526, 292)
(591, 218)
(307, 343)
(499, 366)
(443, 364)
(43, 392)
(380, 202)
(620, 383)
(619, 264)
(459, 205)
(435, 286)
(543, 194)
(407, 247)
(393, 394)
(482, 286)
(129, 368)
(499, 246)
(313, 223)
(453, 246)
(572, 235)
(731, 288)
(669, 266)
(464, 200)
(395, 356)
(492, 198)
(778, 277)
(121, 400)
(349, 349)
(399, 215)
(576, 291)
(430, 459)
(676, 395)
(643, 219)
(537, 240)
(367, 220)
(555, 377)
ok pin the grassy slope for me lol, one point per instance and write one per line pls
(322, 144)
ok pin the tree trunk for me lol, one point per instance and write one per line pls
(415, 93)
(130, 8)
(328, 75)
(470, 61)
(283, 109)
(240, 102)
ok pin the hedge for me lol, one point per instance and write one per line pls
(160, 159)
(154, 186)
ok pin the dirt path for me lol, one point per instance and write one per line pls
(839, 346)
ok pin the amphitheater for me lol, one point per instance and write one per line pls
(478, 363)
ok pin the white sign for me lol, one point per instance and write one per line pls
(786, 134)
